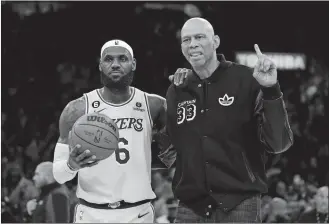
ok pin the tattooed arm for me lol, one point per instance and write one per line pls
(68, 161)
(158, 110)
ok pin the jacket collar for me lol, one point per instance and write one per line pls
(223, 65)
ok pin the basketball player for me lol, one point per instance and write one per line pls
(223, 122)
(116, 189)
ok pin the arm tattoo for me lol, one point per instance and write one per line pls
(71, 113)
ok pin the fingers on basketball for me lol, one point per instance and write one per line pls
(96, 132)
(75, 150)
(90, 164)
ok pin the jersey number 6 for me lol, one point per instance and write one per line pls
(122, 151)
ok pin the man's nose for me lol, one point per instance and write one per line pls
(115, 64)
(193, 43)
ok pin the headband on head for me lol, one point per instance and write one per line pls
(119, 43)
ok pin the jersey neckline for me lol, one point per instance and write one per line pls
(113, 104)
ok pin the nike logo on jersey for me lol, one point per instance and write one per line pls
(99, 110)
(140, 216)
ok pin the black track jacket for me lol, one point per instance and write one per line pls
(220, 128)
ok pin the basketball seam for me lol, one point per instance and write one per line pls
(89, 142)
(101, 128)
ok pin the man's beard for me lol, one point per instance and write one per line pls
(121, 84)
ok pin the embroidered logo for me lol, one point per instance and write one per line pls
(226, 100)
(186, 110)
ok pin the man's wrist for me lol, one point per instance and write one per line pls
(70, 167)
(272, 93)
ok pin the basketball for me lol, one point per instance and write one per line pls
(96, 132)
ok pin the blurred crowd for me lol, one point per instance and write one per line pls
(34, 94)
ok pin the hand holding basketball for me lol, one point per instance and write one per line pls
(79, 159)
(94, 137)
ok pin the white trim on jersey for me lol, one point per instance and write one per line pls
(87, 103)
(148, 104)
(117, 105)
(155, 95)
(148, 109)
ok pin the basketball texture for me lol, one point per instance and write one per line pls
(96, 132)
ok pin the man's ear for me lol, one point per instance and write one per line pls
(99, 67)
(134, 64)
(216, 41)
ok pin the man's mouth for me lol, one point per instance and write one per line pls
(195, 54)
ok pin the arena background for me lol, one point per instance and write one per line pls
(50, 53)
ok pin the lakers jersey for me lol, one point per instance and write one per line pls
(126, 174)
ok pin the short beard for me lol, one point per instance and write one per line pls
(119, 85)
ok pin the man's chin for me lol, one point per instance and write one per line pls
(116, 84)
(197, 63)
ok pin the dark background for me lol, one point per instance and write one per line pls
(50, 53)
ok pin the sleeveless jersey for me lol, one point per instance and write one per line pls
(126, 174)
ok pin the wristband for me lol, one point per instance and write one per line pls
(70, 167)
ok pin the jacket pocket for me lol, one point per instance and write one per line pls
(246, 163)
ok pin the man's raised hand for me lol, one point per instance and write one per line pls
(265, 71)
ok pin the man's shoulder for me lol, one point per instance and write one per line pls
(241, 69)
(75, 107)
(71, 113)
(244, 73)
(156, 102)
(171, 89)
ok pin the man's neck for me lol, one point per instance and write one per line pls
(207, 70)
(116, 96)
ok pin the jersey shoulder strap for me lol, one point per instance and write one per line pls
(92, 99)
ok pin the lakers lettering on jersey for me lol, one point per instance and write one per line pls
(126, 174)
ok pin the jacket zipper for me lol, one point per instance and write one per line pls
(246, 163)
(204, 108)
(205, 96)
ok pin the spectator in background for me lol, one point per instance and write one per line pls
(53, 204)
(278, 211)
(320, 213)
(20, 190)
(172, 205)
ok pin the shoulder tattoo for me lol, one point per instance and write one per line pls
(71, 113)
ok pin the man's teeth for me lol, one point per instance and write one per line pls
(195, 54)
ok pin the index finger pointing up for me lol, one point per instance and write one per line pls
(258, 52)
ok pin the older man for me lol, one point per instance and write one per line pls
(53, 203)
(220, 121)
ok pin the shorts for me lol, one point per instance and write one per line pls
(139, 214)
